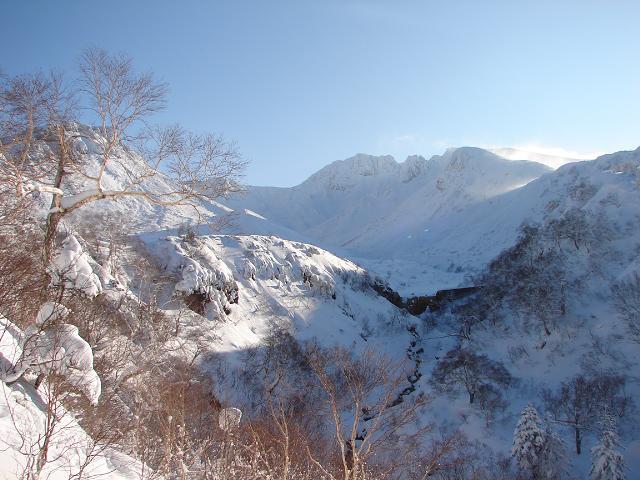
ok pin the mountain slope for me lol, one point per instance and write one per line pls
(249, 284)
(365, 204)
(464, 241)
(545, 313)
(549, 309)
(133, 214)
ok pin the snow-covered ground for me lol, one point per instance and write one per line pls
(253, 284)
(432, 246)
(421, 226)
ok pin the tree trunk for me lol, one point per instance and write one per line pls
(53, 219)
(578, 442)
(55, 215)
(471, 397)
(38, 381)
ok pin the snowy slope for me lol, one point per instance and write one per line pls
(550, 158)
(590, 337)
(264, 264)
(252, 286)
(450, 246)
(426, 225)
(463, 242)
(251, 281)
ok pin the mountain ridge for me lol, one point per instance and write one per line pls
(343, 201)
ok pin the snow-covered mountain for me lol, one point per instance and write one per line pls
(415, 227)
(235, 261)
(366, 204)
(462, 211)
(464, 241)
(249, 284)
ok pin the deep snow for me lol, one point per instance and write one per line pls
(421, 225)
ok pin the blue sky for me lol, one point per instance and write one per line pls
(300, 83)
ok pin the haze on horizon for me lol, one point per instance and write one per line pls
(301, 84)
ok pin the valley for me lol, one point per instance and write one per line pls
(504, 262)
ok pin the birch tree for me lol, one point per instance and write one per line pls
(40, 127)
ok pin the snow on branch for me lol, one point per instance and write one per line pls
(52, 346)
(71, 269)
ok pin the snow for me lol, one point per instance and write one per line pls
(71, 268)
(421, 225)
(37, 187)
(51, 313)
(387, 215)
(53, 346)
(76, 362)
(361, 205)
(553, 159)
(22, 424)
(70, 201)
(229, 418)
(607, 460)
(421, 240)
(307, 289)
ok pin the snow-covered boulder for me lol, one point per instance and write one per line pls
(23, 426)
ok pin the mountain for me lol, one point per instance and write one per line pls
(552, 256)
(380, 212)
(365, 204)
(463, 242)
(547, 309)
(213, 298)
(238, 260)
(555, 294)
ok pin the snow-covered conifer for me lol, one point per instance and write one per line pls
(529, 442)
(607, 463)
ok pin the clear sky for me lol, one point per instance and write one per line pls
(301, 83)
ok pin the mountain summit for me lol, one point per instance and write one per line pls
(365, 202)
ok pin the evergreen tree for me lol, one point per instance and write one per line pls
(529, 442)
(607, 462)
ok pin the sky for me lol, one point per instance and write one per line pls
(301, 83)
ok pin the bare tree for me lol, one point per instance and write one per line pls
(520, 278)
(579, 402)
(29, 104)
(37, 108)
(626, 295)
(367, 415)
(571, 226)
(477, 374)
